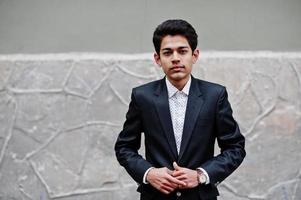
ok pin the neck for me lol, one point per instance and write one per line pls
(179, 84)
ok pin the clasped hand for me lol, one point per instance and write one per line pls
(166, 180)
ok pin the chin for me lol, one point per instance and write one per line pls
(178, 77)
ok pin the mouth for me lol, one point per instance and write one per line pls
(177, 67)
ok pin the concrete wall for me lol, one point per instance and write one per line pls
(60, 115)
(51, 26)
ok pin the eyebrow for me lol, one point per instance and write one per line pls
(181, 47)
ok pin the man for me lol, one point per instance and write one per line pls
(181, 118)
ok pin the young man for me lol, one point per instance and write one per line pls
(181, 118)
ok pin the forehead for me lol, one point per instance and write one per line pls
(174, 42)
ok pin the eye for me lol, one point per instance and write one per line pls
(166, 53)
(183, 51)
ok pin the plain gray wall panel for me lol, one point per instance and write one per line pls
(51, 26)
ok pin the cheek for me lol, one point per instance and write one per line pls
(164, 67)
(164, 64)
(188, 62)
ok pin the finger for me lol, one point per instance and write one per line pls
(176, 166)
(167, 183)
(182, 177)
(182, 187)
(178, 173)
(168, 188)
(171, 185)
(164, 191)
(176, 181)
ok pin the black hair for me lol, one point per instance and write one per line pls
(175, 27)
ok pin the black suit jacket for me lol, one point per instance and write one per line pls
(208, 119)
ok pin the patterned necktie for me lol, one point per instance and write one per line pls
(179, 101)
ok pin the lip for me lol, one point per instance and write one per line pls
(178, 67)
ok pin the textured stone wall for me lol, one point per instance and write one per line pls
(60, 115)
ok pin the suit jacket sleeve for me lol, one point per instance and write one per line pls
(129, 141)
(230, 141)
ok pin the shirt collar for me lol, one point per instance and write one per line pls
(172, 90)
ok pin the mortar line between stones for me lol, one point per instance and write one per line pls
(297, 184)
(233, 191)
(10, 131)
(27, 134)
(230, 189)
(101, 82)
(25, 194)
(40, 177)
(90, 123)
(8, 78)
(66, 80)
(31, 91)
(241, 92)
(280, 184)
(297, 74)
(122, 100)
(67, 77)
(28, 156)
(83, 163)
(133, 74)
(272, 81)
(61, 161)
(82, 82)
(256, 99)
(75, 94)
(260, 117)
(86, 191)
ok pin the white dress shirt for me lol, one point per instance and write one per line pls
(177, 104)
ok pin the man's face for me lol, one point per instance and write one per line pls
(176, 58)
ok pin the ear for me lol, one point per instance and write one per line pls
(195, 55)
(157, 59)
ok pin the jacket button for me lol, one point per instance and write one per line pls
(178, 194)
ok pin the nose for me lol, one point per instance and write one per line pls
(175, 57)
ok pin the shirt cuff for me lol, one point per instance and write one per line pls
(145, 174)
(206, 174)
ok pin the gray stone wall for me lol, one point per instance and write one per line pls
(61, 113)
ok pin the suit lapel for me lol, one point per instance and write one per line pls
(194, 104)
(162, 108)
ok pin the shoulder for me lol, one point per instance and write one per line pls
(147, 89)
(210, 87)
(148, 86)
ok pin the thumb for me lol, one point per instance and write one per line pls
(176, 166)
